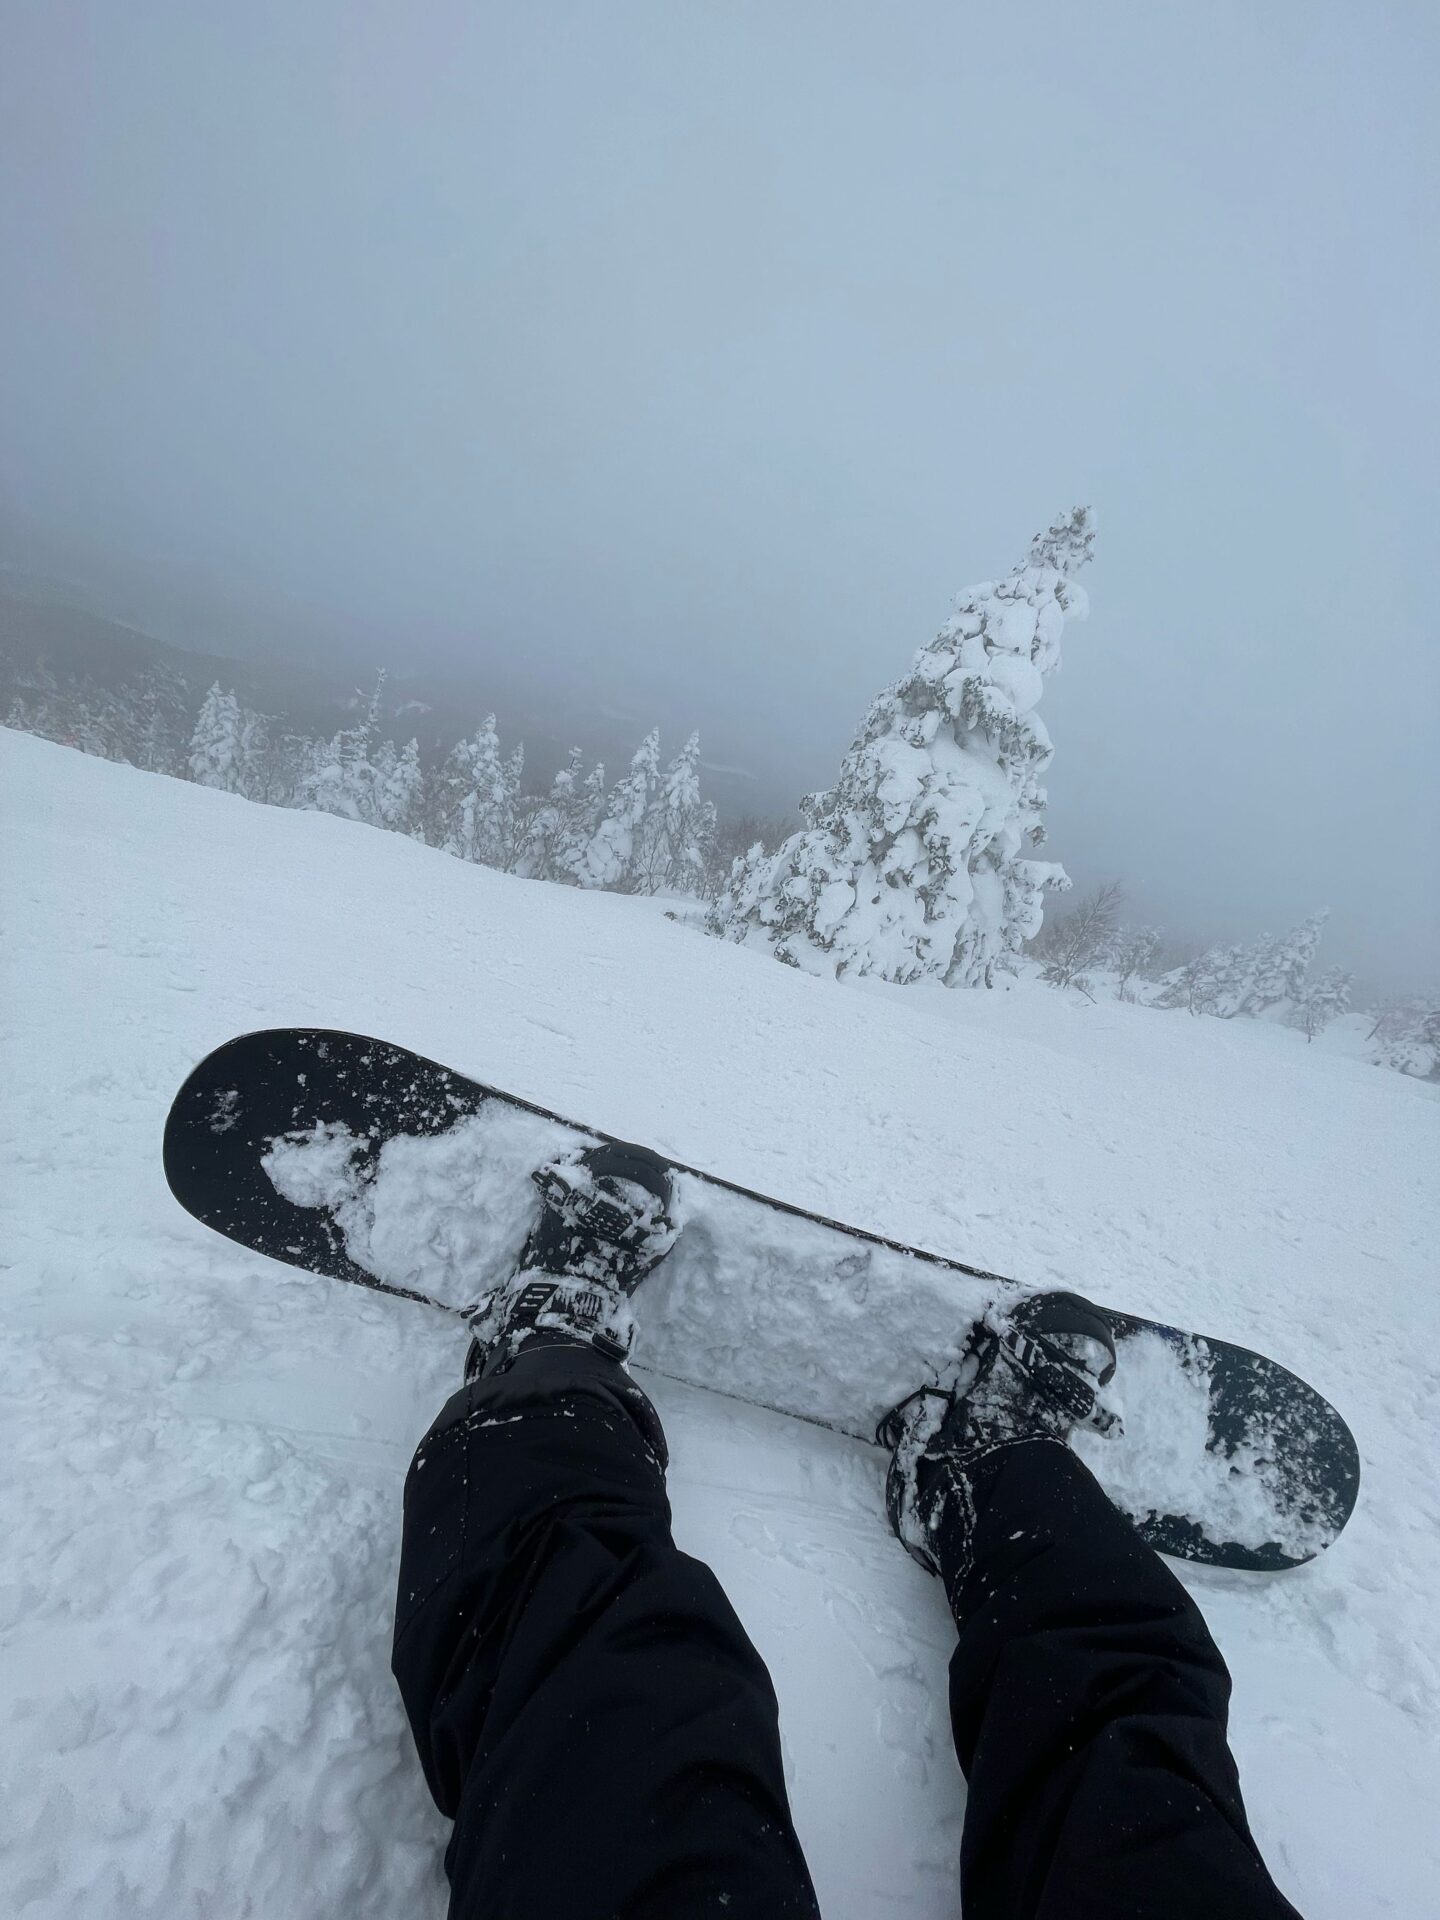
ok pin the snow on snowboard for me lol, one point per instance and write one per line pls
(353, 1158)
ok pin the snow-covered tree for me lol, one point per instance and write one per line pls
(670, 845)
(32, 698)
(547, 823)
(254, 760)
(1134, 955)
(343, 774)
(687, 821)
(1406, 1037)
(1279, 966)
(733, 839)
(917, 862)
(337, 778)
(1194, 984)
(514, 813)
(473, 798)
(216, 758)
(1082, 938)
(1216, 982)
(460, 772)
(1267, 977)
(1321, 1001)
(398, 793)
(383, 759)
(145, 721)
(375, 711)
(613, 856)
(579, 826)
(278, 763)
(161, 734)
(98, 725)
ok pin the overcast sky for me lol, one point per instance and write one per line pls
(697, 354)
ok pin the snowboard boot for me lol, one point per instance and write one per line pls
(1030, 1374)
(604, 1223)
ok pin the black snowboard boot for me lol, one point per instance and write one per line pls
(604, 1223)
(1031, 1374)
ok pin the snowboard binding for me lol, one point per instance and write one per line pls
(604, 1214)
(604, 1224)
(1034, 1373)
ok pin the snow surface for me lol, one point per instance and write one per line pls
(204, 1450)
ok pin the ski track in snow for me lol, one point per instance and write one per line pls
(205, 1450)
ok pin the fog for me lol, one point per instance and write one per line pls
(691, 357)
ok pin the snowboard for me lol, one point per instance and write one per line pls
(353, 1158)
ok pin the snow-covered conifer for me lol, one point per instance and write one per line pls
(547, 823)
(514, 812)
(917, 862)
(382, 759)
(454, 787)
(215, 758)
(728, 841)
(473, 798)
(98, 726)
(1267, 977)
(579, 824)
(1279, 967)
(162, 733)
(399, 789)
(695, 873)
(283, 766)
(613, 855)
(338, 777)
(254, 761)
(344, 773)
(375, 711)
(677, 827)
(1215, 982)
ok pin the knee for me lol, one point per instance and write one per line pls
(539, 1379)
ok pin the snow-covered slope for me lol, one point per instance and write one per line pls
(204, 1451)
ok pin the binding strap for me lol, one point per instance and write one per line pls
(1053, 1374)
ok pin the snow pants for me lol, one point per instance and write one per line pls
(592, 1716)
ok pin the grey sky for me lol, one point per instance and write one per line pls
(697, 354)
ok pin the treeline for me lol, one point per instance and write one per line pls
(651, 831)
(1090, 950)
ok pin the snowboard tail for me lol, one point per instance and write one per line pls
(350, 1157)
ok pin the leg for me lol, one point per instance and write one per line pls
(1088, 1700)
(586, 1705)
(1089, 1705)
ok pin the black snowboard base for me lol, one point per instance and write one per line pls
(353, 1158)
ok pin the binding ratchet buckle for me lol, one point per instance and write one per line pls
(1049, 1371)
(584, 1204)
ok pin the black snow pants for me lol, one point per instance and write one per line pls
(591, 1714)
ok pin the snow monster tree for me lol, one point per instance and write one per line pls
(917, 861)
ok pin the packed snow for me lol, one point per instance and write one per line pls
(205, 1449)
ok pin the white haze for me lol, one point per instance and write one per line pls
(694, 356)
